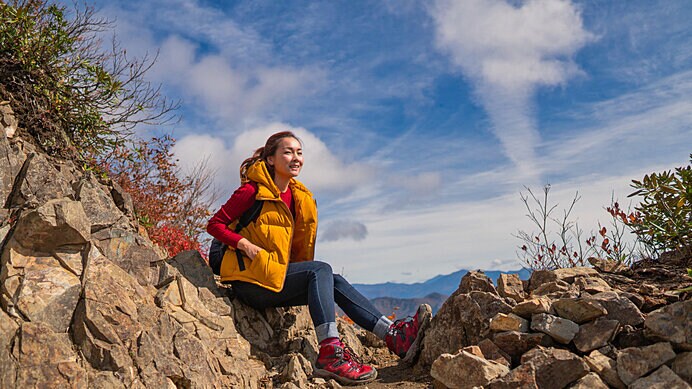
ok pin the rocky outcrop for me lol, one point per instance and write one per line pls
(566, 328)
(89, 302)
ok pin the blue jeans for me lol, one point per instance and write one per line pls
(313, 283)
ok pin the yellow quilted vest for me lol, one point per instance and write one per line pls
(283, 239)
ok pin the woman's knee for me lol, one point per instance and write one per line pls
(320, 267)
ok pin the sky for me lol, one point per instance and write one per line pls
(423, 121)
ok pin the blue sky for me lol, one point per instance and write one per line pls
(422, 121)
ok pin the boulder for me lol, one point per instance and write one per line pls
(592, 285)
(463, 320)
(619, 308)
(528, 308)
(476, 281)
(682, 366)
(37, 182)
(132, 252)
(465, 370)
(608, 266)
(540, 277)
(523, 376)
(55, 224)
(562, 330)
(578, 310)
(515, 344)
(555, 368)
(596, 334)
(508, 322)
(98, 204)
(635, 362)
(672, 324)
(570, 273)
(605, 367)
(663, 378)
(510, 285)
(491, 352)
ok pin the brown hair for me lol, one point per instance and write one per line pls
(264, 152)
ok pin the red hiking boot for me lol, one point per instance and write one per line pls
(405, 336)
(340, 363)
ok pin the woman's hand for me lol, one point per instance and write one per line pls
(249, 248)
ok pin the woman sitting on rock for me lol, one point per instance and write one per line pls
(270, 262)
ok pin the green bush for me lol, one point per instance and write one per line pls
(664, 215)
(72, 97)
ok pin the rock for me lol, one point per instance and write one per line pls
(524, 376)
(37, 182)
(8, 365)
(608, 266)
(605, 367)
(551, 289)
(578, 310)
(46, 359)
(508, 322)
(475, 350)
(589, 381)
(592, 285)
(465, 370)
(569, 274)
(510, 285)
(672, 323)
(528, 308)
(294, 373)
(555, 368)
(8, 122)
(595, 334)
(133, 253)
(491, 352)
(463, 320)
(562, 330)
(629, 336)
(53, 225)
(635, 362)
(663, 378)
(619, 308)
(476, 281)
(98, 204)
(540, 277)
(682, 366)
(515, 344)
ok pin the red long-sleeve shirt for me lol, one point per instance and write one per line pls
(241, 200)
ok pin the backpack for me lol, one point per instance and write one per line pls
(217, 249)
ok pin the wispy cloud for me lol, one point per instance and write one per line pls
(507, 52)
(343, 229)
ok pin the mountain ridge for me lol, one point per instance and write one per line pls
(443, 284)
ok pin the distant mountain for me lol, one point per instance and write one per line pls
(407, 307)
(442, 284)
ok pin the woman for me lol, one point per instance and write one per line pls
(270, 262)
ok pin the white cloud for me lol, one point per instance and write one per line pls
(322, 171)
(343, 229)
(507, 52)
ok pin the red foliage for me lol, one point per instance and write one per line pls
(148, 172)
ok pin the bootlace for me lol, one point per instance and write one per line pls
(350, 355)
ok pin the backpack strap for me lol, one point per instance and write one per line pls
(248, 217)
(217, 248)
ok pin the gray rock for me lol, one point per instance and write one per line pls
(672, 323)
(596, 334)
(620, 308)
(562, 330)
(663, 378)
(634, 362)
(682, 366)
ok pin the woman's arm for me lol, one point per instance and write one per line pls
(241, 200)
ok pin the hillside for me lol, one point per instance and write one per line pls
(442, 284)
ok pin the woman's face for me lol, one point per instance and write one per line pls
(288, 158)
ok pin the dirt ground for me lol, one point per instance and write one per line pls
(392, 374)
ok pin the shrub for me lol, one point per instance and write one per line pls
(70, 96)
(664, 220)
(173, 210)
